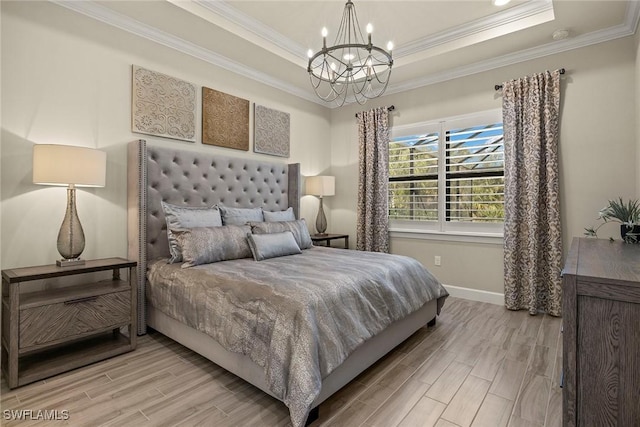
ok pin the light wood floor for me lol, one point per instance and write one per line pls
(481, 365)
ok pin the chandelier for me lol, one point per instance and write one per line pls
(350, 69)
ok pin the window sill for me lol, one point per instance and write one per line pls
(449, 236)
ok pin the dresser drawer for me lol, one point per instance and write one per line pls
(48, 324)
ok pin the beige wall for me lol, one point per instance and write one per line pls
(597, 149)
(637, 113)
(66, 79)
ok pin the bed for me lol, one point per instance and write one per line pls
(331, 324)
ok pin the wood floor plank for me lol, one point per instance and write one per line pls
(543, 360)
(449, 382)
(425, 413)
(431, 370)
(464, 405)
(521, 422)
(211, 416)
(353, 415)
(135, 418)
(549, 330)
(396, 376)
(508, 379)
(489, 362)
(398, 405)
(444, 423)
(520, 352)
(495, 411)
(375, 395)
(533, 399)
(529, 329)
(338, 401)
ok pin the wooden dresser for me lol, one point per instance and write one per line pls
(601, 338)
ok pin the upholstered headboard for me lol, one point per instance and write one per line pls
(185, 177)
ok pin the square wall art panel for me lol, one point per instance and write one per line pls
(225, 120)
(271, 131)
(163, 105)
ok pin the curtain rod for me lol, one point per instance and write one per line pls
(498, 87)
(389, 108)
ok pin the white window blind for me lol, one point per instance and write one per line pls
(413, 173)
(448, 175)
(475, 174)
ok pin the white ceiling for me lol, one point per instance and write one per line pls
(435, 40)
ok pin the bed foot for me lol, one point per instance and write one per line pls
(432, 322)
(314, 414)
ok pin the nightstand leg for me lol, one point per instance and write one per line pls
(14, 315)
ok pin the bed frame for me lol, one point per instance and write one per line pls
(182, 176)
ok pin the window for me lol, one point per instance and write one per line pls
(448, 175)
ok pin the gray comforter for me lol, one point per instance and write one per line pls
(300, 316)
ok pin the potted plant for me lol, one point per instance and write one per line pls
(627, 214)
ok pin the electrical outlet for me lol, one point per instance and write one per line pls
(437, 260)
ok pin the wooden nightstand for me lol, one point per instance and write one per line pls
(48, 332)
(327, 238)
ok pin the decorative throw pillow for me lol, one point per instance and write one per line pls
(298, 228)
(204, 245)
(286, 215)
(187, 217)
(240, 216)
(265, 246)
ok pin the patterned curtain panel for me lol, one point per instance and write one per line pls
(532, 235)
(373, 204)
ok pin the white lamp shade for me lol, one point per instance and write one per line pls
(66, 164)
(320, 186)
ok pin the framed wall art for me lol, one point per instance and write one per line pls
(225, 120)
(271, 131)
(163, 105)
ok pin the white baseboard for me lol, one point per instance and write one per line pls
(475, 294)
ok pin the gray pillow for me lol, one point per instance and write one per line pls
(204, 245)
(187, 217)
(286, 215)
(265, 246)
(240, 216)
(298, 228)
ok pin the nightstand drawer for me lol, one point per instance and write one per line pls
(75, 318)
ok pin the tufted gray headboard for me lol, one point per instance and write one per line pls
(185, 177)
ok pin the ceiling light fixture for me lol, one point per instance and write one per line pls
(350, 68)
(500, 2)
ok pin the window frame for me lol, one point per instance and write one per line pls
(488, 232)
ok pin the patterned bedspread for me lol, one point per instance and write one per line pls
(300, 316)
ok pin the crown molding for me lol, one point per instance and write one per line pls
(540, 11)
(274, 39)
(125, 23)
(595, 37)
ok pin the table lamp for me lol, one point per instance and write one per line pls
(72, 166)
(321, 186)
